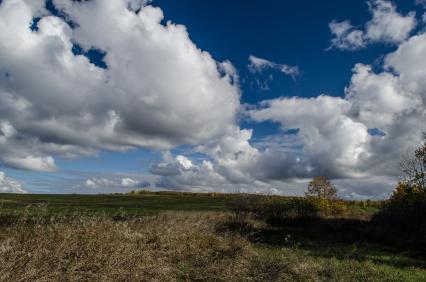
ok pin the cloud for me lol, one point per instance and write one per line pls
(233, 164)
(223, 169)
(386, 26)
(376, 187)
(346, 37)
(200, 177)
(31, 163)
(270, 172)
(158, 90)
(421, 3)
(323, 135)
(9, 185)
(333, 131)
(128, 182)
(113, 182)
(331, 140)
(136, 5)
(332, 136)
(259, 65)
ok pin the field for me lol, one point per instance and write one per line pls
(169, 236)
(111, 204)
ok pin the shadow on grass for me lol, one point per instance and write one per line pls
(340, 238)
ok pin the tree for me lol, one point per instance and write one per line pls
(414, 167)
(407, 195)
(321, 187)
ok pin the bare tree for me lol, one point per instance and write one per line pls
(414, 166)
(321, 187)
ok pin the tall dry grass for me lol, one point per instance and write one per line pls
(164, 247)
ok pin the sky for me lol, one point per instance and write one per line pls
(227, 96)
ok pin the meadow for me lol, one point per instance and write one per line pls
(170, 236)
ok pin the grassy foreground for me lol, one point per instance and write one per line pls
(185, 237)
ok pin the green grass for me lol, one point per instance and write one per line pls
(111, 204)
(136, 204)
(360, 210)
(332, 249)
(346, 263)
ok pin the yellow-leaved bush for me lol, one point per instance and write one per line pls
(328, 207)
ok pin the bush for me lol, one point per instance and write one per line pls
(272, 208)
(403, 217)
(327, 207)
(276, 210)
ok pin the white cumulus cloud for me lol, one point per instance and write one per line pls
(9, 185)
(346, 37)
(258, 65)
(112, 182)
(387, 25)
(333, 136)
(334, 130)
(158, 90)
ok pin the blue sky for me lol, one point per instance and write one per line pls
(292, 32)
(247, 123)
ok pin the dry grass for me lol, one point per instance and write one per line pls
(165, 247)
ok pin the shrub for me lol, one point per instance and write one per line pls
(403, 218)
(273, 209)
(244, 204)
(277, 210)
(327, 207)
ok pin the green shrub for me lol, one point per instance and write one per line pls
(276, 210)
(273, 209)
